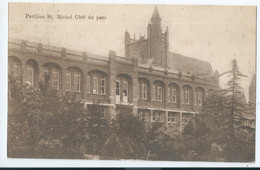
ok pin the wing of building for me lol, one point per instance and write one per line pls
(153, 82)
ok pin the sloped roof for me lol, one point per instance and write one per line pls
(188, 64)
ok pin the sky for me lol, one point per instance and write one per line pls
(216, 34)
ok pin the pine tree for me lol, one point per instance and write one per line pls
(234, 102)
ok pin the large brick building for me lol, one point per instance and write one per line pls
(150, 80)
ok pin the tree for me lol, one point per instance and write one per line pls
(127, 137)
(97, 128)
(43, 123)
(196, 140)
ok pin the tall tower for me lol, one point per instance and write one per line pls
(154, 49)
(127, 42)
(157, 41)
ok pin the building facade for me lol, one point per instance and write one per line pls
(151, 81)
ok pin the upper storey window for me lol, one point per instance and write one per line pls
(158, 90)
(123, 88)
(143, 90)
(172, 94)
(77, 82)
(29, 75)
(187, 95)
(68, 81)
(96, 83)
(73, 79)
(55, 79)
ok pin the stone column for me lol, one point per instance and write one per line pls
(151, 93)
(135, 88)
(181, 97)
(112, 84)
(193, 98)
(63, 81)
(135, 94)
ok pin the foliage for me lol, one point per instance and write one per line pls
(97, 128)
(43, 123)
(127, 137)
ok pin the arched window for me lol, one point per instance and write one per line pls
(160, 95)
(187, 95)
(29, 75)
(55, 79)
(200, 93)
(143, 88)
(45, 72)
(77, 81)
(16, 69)
(158, 91)
(68, 80)
(172, 93)
(14, 65)
(95, 84)
(123, 88)
(103, 85)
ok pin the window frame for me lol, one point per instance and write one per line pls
(144, 91)
(31, 68)
(118, 88)
(173, 95)
(56, 80)
(154, 92)
(95, 86)
(103, 87)
(159, 91)
(199, 98)
(169, 94)
(125, 83)
(16, 69)
(77, 81)
(187, 96)
(153, 117)
(68, 73)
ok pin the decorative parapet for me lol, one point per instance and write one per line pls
(52, 51)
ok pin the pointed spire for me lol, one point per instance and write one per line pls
(156, 14)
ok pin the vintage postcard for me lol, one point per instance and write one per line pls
(132, 82)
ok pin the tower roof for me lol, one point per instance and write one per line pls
(155, 14)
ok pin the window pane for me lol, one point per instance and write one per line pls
(144, 91)
(68, 81)
(16, 69)
(174, 95)
(154, 92)
(125, 88)
(103, 85)
(77, 82)
(29, 75)
(55, 79)
(117, 87)
(168, 94)
(160, 92)
(95, 85)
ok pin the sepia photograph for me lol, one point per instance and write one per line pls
(149, 82)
